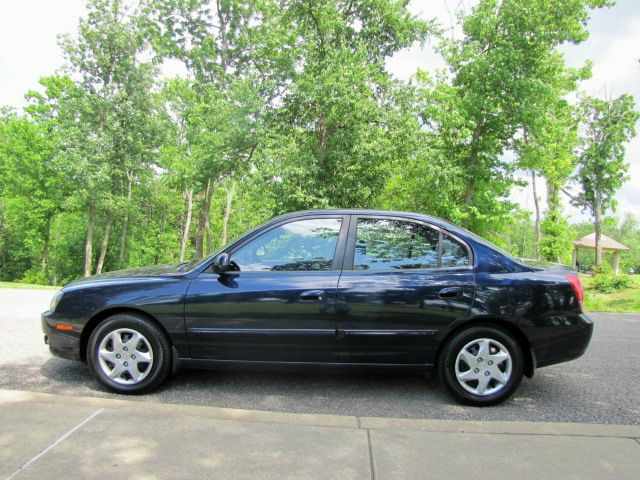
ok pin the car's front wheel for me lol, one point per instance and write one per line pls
(129, 354)
(481, 365)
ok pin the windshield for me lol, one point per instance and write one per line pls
(193, 264)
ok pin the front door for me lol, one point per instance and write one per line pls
(279, 303)
(402, 283)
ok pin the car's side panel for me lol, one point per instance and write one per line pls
(162, 298)
(541, 305)
(395, 316)
(263, 316)
(273, 316)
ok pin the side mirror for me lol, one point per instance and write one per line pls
(222, 263)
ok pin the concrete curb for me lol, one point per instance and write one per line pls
(336, 421)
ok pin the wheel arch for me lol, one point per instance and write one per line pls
(518, 334)
(99, 317)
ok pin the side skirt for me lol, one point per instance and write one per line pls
(262, 366)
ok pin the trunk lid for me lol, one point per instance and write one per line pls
(540, 265)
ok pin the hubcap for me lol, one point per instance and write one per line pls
(125, 356)
(483, 366)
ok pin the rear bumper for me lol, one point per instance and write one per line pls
(564, 343)
(64, 344)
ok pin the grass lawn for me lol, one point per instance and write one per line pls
(624, 301)
(27, 286)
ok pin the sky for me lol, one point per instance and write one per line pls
(29, 50)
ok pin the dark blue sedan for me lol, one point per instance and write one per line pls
(342, 289)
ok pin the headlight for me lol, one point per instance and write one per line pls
(55, 300)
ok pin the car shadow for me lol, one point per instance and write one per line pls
(309, 392)
(377, 394)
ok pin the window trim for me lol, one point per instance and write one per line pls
(338, 256)
(349, 255)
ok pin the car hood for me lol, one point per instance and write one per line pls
(129, 273)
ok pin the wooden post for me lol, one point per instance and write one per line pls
(616, 262)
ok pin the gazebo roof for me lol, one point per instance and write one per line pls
(589, 241)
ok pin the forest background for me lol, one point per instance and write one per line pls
(173, 126)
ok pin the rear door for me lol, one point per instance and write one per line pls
(280, 303)
(403, 281)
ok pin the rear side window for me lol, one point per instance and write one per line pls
(399, 244)
(386, 243)
(454, 254)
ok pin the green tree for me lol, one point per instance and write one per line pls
(500, 72)
(230, 51)
(606, 126)
(177, 151)
(341, 125)
(628, 233)
(37, 165)
(116, 113)
(546, 147)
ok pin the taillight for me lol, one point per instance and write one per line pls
(574, 280)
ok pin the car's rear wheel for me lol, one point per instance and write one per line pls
(129, 354)
(481, 365)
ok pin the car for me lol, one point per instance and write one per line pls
(344, 290)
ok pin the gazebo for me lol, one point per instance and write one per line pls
(608, 245)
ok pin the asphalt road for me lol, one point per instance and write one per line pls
(603, 386)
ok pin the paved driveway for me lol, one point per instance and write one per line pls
(601, 387)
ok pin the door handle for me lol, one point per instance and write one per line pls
(450, 292)
(312, 296)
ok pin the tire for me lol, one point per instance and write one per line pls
(481, 365)
(142, 349)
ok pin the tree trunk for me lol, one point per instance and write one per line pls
(553, 196)
(207, 230)
(323, 138)
(125, 222)
(468, 196)
(105, 244)
(536, 203)
(187, 223)
(597, 215)
(473, 160)
(203, 221)
(227, 212)
(88, 243)
(45, 248)
(200, 233)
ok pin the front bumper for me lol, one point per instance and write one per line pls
(565, 343)
(62, 343)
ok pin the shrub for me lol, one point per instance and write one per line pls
(603, 268)
(611, 283)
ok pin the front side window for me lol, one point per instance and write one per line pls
(303, 245)
(396, 244)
